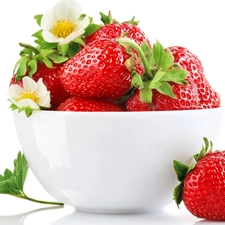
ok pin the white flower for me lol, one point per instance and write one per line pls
(62, 24)
(31, 96)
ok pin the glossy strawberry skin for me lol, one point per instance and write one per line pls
(52, 82)
(114, 31)
(186, 99)
(97, 71)
(88, 105)
(204, 187)
(208, 98)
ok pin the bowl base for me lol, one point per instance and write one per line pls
(115, 211)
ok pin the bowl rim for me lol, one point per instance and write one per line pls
(190, 111)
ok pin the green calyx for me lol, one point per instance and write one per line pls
(108, 19)
(48, 53)
(182, 170)
(160, 69)
(30, 56)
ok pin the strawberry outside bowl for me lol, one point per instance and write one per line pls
(113, 162)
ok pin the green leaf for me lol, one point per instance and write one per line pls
(148, 54)
(105, 18)
(20, 169)
(13, 106)
(180, 169)
(80, 41)
(146, 95)
(38, 19)
(91, 28)
(48, 62)
(132, 21)
(158, 76)
(38, 34)
(26, 52)
(12, 183)
(63, 49)
(166, 89)
(47, 45)
(22, 68)
(136, 80)
(163, 58)
(32, 65)
(175, 75)
(57, 58)
(73, 49)
(205, 149)
(177, 193)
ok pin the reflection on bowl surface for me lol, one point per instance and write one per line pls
(109, 162)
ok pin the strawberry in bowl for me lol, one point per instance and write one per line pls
(127, 108)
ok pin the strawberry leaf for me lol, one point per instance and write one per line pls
(175, 75)
(38, 34)
(57, 58)
(47, 62)
(164, 59)
(47, 45)
(132, 21)
(32, 66)
(73, 49)
(22, 68)
(165, 89)
(12, 182)
(136, 80)
(177, 193)
(180, 169)
(80, 41)
(38, 19)
(105, 18)
(63, 49)
(91, 28)
(148, 54)
(146, 95)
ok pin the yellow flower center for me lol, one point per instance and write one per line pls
(28, 94)
(63, 28)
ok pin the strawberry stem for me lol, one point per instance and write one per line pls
(134, 45)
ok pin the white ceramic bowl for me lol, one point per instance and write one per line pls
(113, 162)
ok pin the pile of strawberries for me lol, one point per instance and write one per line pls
(110, 73)
(116, 68)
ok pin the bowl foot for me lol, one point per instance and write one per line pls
(115, 210)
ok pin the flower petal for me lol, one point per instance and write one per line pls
(14, 91)
(67, 9)
(41, 88)
(29, 83)
(45, 101)
(27, 102)
(49, 37)
(82, 24)
(48, 20)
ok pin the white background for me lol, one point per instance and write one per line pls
(195, 24)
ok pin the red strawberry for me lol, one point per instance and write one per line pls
(115, 30)
(97, 71)
(88, 105)
(208, 98)
(51, 80)
(202, 186)
(198, 94)
(186, 99)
